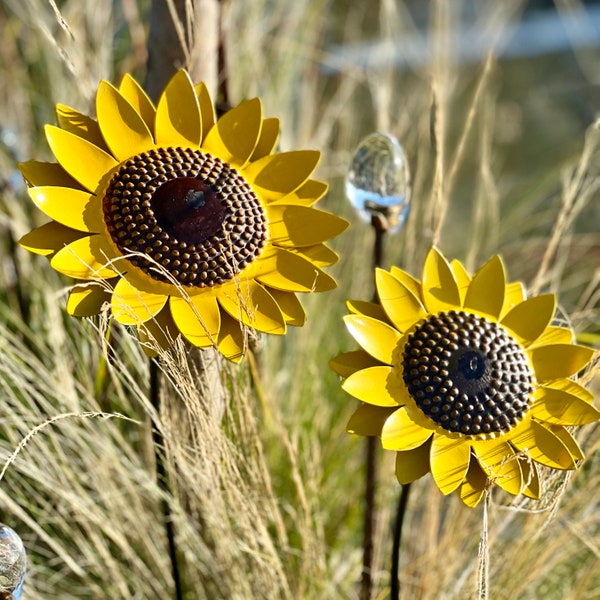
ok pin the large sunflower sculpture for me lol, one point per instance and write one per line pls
(180, 222)
(466, 379)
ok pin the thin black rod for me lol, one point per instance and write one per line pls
(162, 478)
(401, 512)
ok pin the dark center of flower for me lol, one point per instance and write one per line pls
(467, 374)
(182, 215)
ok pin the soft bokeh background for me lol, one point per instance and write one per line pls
(495, 104)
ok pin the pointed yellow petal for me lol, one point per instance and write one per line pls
(87, 163)
(555, 335)
(568, 440)
(198, 318)
(408, 281)
(377, 338)
(472, 488)
(82, 259)
(572, 388)
(279, 174)
(499, 461)
(297, 226)
(561, 408)
(308, 194)
(370, 386)
(543, 447)
(400, 304)
(349, 362)
(137, 97)
(131, 306)
(207, 109)
(159, 332)
(49, 238)
(529, 319)
(269, 134)
(449, 462)
(440, 290)
(559, 360)
(531, 478)
(75, 122)
(514, 294)
(236, 133)
(251, 304)
(178, 114)
(412, 464)
(44, 173)
(290, 307)
(369, 309)
(463, 279)
(368, 420)
(232, 338)
(485, 293)
(123, 129)
(400, 432)
(87, 299)
(65, 205)
(319, 254)
(288, 271)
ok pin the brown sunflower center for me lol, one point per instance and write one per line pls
(467, 374)
(184, 216)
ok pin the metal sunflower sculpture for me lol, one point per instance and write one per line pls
(182, 223)
(466, 379)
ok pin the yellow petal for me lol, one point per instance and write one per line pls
(401, 433)
(178, 114)
(368, 420)
(559, 360)
(207, 109)
(473, 487)
(319, 254)
(279, 174)
(232, 338)
(157, 333)
(485, 293)
(514, 294)
(236, 133)
(44, 173)
(49, 238)
(137, 97)
(308, 194)
(87, 163)
(369, 309)
(572, 388)
(377, 338)
(131, 306)
(557, 406)
(290, 307)
(349, 362)
(75, 122)
(123, 128)
(440, 290)
(463, 279)
(297, 226)
(412, 464)
(251, 304)
(499, 461)
(400, 304)
(555, 335)
(370, 386)
(568, 440)
(198, 318)
(529, 319)
(82, 259)
(63, 204)
(288, 271)
(269, 134)
(449, 462)
(531, 478)
(408, 281)
(87, 299)
(543, 447)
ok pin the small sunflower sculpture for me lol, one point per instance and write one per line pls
(180, 222)
(466, 379)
